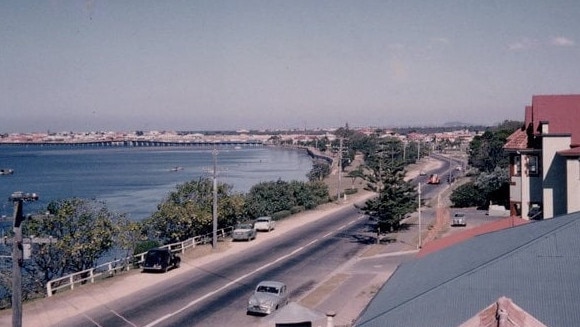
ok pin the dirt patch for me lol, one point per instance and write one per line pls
(206, 249)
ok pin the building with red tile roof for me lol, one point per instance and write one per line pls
(544, 158)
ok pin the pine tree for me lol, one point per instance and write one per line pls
(396, 199)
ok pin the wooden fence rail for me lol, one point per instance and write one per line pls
(109, 269)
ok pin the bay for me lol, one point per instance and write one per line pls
(134, 180)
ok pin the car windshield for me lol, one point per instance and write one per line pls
(267, 289)
(265, 220)
(244, 226)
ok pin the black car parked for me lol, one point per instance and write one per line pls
(160, 259)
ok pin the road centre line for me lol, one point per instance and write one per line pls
(239, 279)
(123, 318)
(235, 281)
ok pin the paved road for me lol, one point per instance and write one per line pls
(346, 290)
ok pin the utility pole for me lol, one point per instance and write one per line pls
(339, 170)
(380, 155)
(418, 150)
(215, 203)
(420, 243)
(17, 255)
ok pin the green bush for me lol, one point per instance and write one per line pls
(145, 246)
(350, 191)
(468, 195)
(281, 214)
(296, 209)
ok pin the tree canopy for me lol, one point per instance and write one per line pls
(188, 211)
(396, 199)
(491, 163)
(84, 231)
(267, 198)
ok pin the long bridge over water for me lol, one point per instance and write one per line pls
(139, 143)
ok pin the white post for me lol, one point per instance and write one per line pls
(330, 318)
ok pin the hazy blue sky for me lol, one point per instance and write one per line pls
(207, 65)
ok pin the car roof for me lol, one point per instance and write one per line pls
(264, 218)
(158, 250)
(271, 283)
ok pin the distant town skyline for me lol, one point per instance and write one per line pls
(230, 65)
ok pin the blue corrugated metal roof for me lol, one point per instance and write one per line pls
(537, 265)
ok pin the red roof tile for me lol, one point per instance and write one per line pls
(518, 140)
(562, 112)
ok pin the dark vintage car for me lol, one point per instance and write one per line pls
(160, 259)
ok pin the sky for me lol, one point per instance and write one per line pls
(245, 64)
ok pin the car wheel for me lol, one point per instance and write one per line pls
(177, 264)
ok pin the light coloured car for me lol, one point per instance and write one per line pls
(459, 219)
(244, 232)
(268, 297)
(265, 224)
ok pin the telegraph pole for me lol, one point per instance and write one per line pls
(420, 243)
(17, 255)
(418, 150)
(339, 170)
(215, 202)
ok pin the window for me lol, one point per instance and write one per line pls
(533, 165)
(517, 166)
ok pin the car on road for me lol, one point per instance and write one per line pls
(244, 232)
(459, 219)
(268, 297)
(264, 224)
(160, 259)
(434, 179)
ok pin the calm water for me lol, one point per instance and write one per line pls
(135, 180)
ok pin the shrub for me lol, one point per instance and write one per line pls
(296, 209)
(468, 195)
(350, 191)
(145, 246)
(281, 214)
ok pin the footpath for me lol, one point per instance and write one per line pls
(346, 292)
(350, 288)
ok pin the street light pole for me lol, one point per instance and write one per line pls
(17, 256)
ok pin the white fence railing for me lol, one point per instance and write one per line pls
(109, 269)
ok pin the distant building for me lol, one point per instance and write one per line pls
(544, 158)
